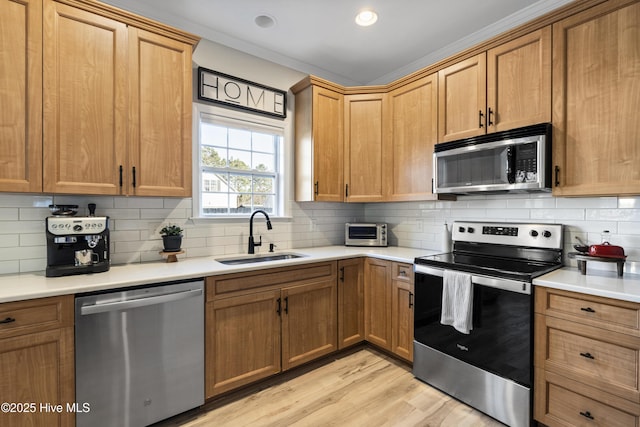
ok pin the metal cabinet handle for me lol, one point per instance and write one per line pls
(588, 309)
(489, 113)
(587, 355)
(557, 171)
(346, 190)
(286, 305)
(120, 180)
(133, 169)
(279, 309)
(480, 124)
(315, 188)
(410, 299)
(136, 303)
(8, 320)
(587, 414)
(342, 274)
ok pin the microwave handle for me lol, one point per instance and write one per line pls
(511, 165)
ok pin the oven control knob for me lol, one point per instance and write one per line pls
(77, 227)
(533, 233)
(546, 233)
(471, 229)
(461, 229)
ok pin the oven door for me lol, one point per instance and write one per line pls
(501, 339)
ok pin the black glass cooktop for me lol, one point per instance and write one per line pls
(518, 269)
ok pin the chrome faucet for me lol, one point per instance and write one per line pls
(252, 243)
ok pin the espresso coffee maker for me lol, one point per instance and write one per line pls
(77, 245)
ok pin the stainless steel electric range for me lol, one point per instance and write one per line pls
(489, 365)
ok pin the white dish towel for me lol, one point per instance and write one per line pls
(457, 301)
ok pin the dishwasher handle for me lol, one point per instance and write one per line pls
(140, 302)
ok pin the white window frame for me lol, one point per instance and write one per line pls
(252, 122)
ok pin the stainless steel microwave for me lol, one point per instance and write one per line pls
(365, 234)
(517, 160)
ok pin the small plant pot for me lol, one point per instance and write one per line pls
(172, 243)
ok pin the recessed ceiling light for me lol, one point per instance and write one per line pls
(265, 21)
(366, 17)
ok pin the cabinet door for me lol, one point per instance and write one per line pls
(412, 123)
(377, 302)
(350, 302)
(38, 368)
(462, 99)
(519, 82)
(596, 68)
(160, 115)
(21, 96)
(309, 322)
(85, 113)
(363, 154)
(328, 145)
(242, 340)
(402, 311)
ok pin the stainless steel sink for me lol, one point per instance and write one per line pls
(250, 259)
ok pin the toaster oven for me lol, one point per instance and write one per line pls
(365, 234)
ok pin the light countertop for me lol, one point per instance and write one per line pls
(595, 282)
(25, 286)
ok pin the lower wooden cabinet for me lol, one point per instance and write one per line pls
(389, 306)
(587, 360)
(377, 302)
(350, 302)
(37, 360)
(402, 311)
(260, 323)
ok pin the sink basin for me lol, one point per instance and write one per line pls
(250, 259)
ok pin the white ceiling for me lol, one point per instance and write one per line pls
(320, 37)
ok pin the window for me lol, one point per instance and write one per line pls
(239, 166)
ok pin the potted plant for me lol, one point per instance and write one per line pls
(171, 238)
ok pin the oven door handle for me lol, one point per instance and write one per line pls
(492, 282)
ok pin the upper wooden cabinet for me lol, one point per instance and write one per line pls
(21, 96)
(160, 79)
(596, 101)
(509, 86)
(117, 105)
(319, 146)
(519, 82)
(411, 118)
(462, 99)
(364, 147)
(85, 96)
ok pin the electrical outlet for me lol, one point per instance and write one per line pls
(419, 227)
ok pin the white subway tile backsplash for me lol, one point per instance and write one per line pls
(135, 222)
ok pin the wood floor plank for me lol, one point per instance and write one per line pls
(365, 388)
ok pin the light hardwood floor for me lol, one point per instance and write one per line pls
(363, 388)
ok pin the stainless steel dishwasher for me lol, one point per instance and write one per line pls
(139, 354)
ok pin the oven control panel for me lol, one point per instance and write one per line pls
(518, 234)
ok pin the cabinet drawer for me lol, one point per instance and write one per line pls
(232, 284)
(402, 272)
(605, 360)
(578, 410)
(605, 313)
(23, 317)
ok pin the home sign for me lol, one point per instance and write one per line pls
(239, 93)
